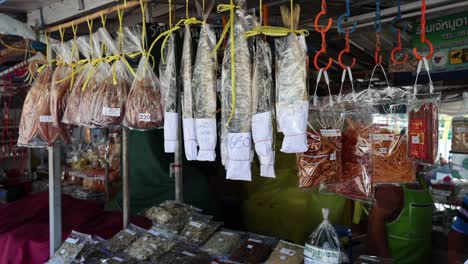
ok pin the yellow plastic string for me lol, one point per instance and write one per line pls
(170, 14)
(274, 31)
(49, 61)
(103, 19)
(143, 31)
(292, 14)
(90, 27)
(260, 7)
(120, 14)
(186, 9)
(231, 7)
(73, 65)
(203, 5)
(15, 48)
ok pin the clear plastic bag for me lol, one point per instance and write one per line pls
(204, 84)
(236, 115)
(143, 109)
(198, 229)
(323, 245)
(291, 86)
(286, 253)
(188, 118)
(184, 254)
(254, 249)
(72, 112)
(151, 244)
(71, 248)
(262, 107)
(171, 214)
(168, 81)
(125, 238)
(109, 105)
(222, 243)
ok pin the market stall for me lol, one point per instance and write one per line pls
(265, 132)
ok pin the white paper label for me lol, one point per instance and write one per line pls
(154, 232)
(188, 253)
(145, 238)
(249, 246)
(154, 246)
(71, 240)
(382, 137)
(62, 251)
(118, 259)
(288, 251)
(255, 240)
(333, 156)
(283, 258)
(330, 132)
(144, 117)
(227, 233)
(45, 119)
(415, 139)
(108, 111)
(383, 150)
(131, 232)
(314, 255)
(220, 239)
(195, 224)
(461, 129)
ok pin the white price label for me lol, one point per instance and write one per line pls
(118, 259)
(45, 119)
(186, 253)
(131, 232)
(255, 240)
(283, 258)
(330, 132)
(333, 156)
(145, 238)
(108, 111)
(382, 137)
(154, 232)
(62, 251)
(250, 246)
(383, 150)
(315, 255)
(71, 240)
(415, 139)
(195, 224)
(288, 251)
(227, 233)
(220, 239)
(144, 117)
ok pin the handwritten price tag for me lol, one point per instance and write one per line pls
(108, 111)
(144, 117)
(45, 119)
(239, 141)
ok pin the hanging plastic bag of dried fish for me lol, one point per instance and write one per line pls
(62, 83)
(236, 87)
(168, 81)
(109, 104)
(262, 100)
(72, 114)
(291, 86)
(204, 85)
(321, 163)
(35, 128)
(143, 109)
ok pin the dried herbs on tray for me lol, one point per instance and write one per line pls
(222, 243)
(286, 253)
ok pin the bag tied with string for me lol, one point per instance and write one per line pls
(291, 86)
(143, 109)
(236, 114)
(321, 163)
(72, 114)
(204, 85)
(168, 81)
(109, 106)
(423, 121)
(262, 107)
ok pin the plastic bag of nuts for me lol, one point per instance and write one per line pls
(70, 249)
(151, 244)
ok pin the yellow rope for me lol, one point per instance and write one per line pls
(186, 9)
(15, 48)
(260, 6)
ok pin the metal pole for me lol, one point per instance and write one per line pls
(106, 162)
(177, 167)
(126, 189)
(55, 199)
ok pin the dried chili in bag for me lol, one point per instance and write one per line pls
(188, 118)
(291, 86)
(204, 83)
(168, 81)
(72, 112)
(109, 104)
(423, 127)
(262, 107)
(143, 109)
(236, 114)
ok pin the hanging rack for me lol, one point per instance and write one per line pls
(397, 30)
(323, 32)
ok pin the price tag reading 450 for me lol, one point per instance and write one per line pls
(240, 141)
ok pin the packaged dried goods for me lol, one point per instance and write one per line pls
(323, 245)
(168, 81)
(222, 243)
(143, 109)
(150, 245)
(262, 107)
(255, 249)
(93, 252)
(199, 229)
(423, 121)
(292, 103)
(171, 214)
(72, 112)
(70, 249)
(184, 254)
(188, 118)
(460, 134)
(321, 163)
(286, 253)
(236, 103)
(109, 105)
(204, 84)
(124, 238)
(355, 180)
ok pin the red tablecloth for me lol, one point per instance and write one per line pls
(24, 226)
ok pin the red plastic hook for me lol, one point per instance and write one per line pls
(397, 49)
(423, 34)
(323, 12)
(377, 56)
(431, 50)
(322, 50)
(346, 50)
